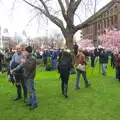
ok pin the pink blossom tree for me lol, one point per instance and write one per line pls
(110, 40)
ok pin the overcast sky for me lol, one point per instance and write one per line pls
(16, 20)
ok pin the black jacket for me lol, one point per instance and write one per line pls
(103, 58)
(65, 63)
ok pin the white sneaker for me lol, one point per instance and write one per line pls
(0, 73)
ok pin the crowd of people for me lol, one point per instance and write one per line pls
(20, 65)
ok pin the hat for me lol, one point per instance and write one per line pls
(28, 49)
(67, 50)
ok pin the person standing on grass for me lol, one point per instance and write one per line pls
(92, 56)
(45, 57)
(103, 61)
(1, 59)
(19, 80)
(80, 60)
(29, 66)
(76, 48)
(115, 66)
(64, 66)
(118, 65)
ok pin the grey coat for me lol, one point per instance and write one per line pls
(29, 67)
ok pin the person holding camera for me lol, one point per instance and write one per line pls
(29, 65)
(81, 69)
(19, 80)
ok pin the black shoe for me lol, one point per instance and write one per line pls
(66, 96)
(28, 104)
(65, 91)
(25, 100)
(88, 85)
(77, 88)
(17, 98)
(33, 107)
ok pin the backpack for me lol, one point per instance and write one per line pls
(48, 68)
(65, 63)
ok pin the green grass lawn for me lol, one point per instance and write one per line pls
(99, 102)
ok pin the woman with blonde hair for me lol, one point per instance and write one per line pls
(81, 69)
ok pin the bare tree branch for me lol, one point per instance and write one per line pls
(32, 19)
(95, 6)
(62, 9)
(87, 7)
(67, 3)
(78, 17)
(54, 19)
(76, 4)
(14, 4)
(45, 7)
(47, 43)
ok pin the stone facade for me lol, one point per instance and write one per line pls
(112, 22)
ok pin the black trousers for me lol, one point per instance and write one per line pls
(93, 63)
(45, 61)
(118, 69)
(64, 74)
(112, 63)
(76, 53)
(19, 81)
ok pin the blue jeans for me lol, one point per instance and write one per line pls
(32, 93)
(54, 64)
(78, 77)
(104, 66)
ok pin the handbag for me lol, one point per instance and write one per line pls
(81, 67)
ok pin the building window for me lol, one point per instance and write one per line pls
(116, 26)
(108, 22)
(111, 11)
(115, 9)
(91, 29)
(90, 36)
(88, 30)
(116, 19)
(98, 26)
(102, 24)
(108, 13)
(112, 20)
(105, 23)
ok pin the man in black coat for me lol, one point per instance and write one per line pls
(92, 56)
(103, 61)
(76, 48)
(1, 58)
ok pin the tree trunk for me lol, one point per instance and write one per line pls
(69, 40)
(69, 44)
